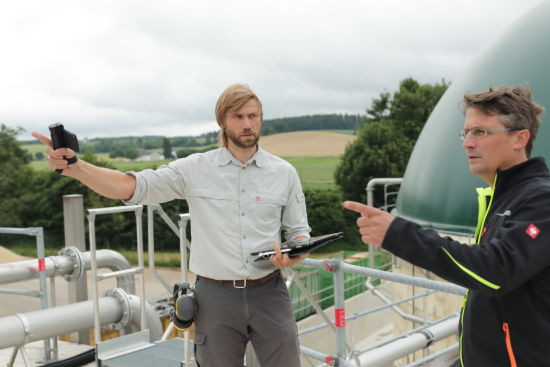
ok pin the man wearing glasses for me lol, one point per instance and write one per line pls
(505, 320)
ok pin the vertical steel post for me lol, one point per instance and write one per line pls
(95, 291)
(183, 221)
(141, 262)
(74, 228)
(41, 254)
(339, 309)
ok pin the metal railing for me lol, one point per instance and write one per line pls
(92, 213)
(338, 267)
(38, 232)
(345, 354)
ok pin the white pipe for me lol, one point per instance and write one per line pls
(65, 319)
(63, 265)
(385, 355)
(396, 308)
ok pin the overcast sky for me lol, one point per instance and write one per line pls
(114, 68)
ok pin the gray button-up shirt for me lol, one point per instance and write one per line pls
(235, 208)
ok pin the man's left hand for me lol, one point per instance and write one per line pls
(282, 260)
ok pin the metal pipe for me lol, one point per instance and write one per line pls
(396, 308)
(433, 356)
(385, 355)
(114, 209)
(64, 265)
(118, 273)
(72, 317)
(18, 292)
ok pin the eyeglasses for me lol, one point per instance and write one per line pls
(478, 132)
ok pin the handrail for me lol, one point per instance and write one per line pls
(370, 201)
(92, 213)
(37, 232)
(338, 267)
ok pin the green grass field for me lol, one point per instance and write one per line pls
(347, 132)
(314, 172)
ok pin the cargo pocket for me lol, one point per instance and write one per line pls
(201, 350)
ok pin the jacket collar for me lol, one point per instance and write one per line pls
(515, 175)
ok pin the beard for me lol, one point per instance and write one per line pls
(243, 142)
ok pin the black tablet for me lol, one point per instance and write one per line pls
(297, 247)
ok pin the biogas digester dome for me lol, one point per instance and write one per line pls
(437, 190)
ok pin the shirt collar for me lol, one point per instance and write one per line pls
(224, 157)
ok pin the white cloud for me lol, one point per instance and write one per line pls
(132, 67)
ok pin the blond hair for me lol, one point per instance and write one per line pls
(232, 99)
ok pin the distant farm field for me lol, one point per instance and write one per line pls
(307, 144)
(314, 154)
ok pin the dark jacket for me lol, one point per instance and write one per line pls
(507, 311)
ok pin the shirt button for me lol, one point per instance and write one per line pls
(243, 168)
(244, 237)
(243, 190)
(243, 214)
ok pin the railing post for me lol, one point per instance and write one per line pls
(370, 202)
(183, 222)
(73, 220)
(41, 254)
(339, 309)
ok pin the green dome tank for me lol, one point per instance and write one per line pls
(437, 189)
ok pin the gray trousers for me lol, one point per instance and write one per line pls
(227, 318)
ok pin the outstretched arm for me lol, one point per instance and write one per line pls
(107, 182)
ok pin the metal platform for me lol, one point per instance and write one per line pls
(135, 353)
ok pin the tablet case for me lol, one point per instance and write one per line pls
(297, 247)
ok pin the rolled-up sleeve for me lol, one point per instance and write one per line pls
(158, 186)
(294, 220)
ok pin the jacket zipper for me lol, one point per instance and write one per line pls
(506, 329)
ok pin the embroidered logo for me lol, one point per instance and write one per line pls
(258, 198)
(532, 231)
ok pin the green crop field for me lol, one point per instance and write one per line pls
(314, 172)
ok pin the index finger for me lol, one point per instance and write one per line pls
(42, 138)
(360, 208)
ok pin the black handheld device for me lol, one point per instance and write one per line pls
(62, 138)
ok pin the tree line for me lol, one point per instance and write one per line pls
(131, 146)
(386, 136)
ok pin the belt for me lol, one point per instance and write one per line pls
(243, 283)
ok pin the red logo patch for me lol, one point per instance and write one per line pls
(532, 231)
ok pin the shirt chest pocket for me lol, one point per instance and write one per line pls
(268, 209)
(212, 201)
